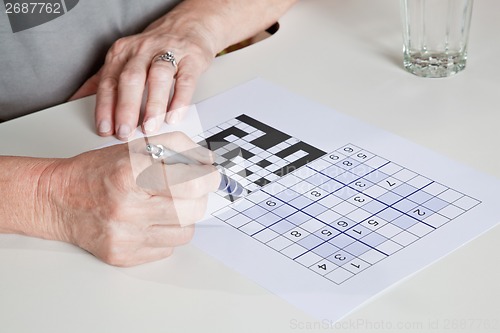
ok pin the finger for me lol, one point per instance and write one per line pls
(162, 179)
(174, 143)
(176, 181)
(174, 211)
(191, 181)
(140, 161)
(189, 151)
(180, 143)
(168, 236)
(179, 180)
(131, 85)
(147, 255)
(142, 256)
(161, 76)
(184, 88)
(88, 88)
(107, 91)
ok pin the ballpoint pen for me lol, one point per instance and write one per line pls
(227, 184)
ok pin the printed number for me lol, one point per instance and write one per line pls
(347, 163)
(356, 231)
(357, 266)
(53, 8)
(327, 233)
(295, 233)
(315, 194)
(348, 150)
(334, 157)
(342, 224)
(12, 8)
(271, 203)
(360, 184)
(419, 212)
(359, 199)
(323, 266)
(390, 184)
(340, 257)
(361, 155)
(24, 8)
(373, 222)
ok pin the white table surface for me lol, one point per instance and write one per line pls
(346, 55)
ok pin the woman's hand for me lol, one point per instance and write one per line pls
(133, 65)
(123, 207)
(194, 31)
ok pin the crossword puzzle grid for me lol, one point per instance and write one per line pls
(345, 211)
(255, 154)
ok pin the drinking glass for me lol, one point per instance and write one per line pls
(435, 34)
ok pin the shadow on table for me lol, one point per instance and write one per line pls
(378, 33)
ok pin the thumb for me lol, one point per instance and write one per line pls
(88, 88)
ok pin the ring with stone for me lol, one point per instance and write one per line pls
(168, 57)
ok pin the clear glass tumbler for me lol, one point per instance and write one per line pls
(435, 34)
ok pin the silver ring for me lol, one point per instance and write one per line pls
(168, 57)
(156, 151)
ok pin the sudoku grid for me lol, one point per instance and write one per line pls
(253, 153)
(339, 213)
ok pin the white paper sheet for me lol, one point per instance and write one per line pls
(328, 130)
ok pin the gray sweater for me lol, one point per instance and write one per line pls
(45, 58)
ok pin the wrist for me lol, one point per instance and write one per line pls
(26, 186)
(203, 24)
(50, 220)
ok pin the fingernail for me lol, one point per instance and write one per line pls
(123, 131)
(150, 126)
(104, 127)
(172, 117)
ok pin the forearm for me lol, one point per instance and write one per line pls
(228, 21)
(24, 192)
